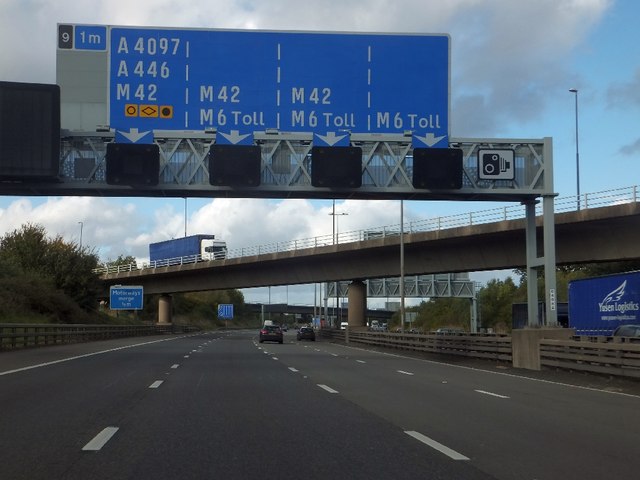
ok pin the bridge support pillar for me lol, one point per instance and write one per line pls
(165, 304)
(357, 295)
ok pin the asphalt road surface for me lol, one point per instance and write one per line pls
(223, 406)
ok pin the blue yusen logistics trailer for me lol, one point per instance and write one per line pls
(191, 248)
(598, 305)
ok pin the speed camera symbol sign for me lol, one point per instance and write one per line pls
(496, 164)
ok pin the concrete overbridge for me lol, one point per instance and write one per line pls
(610, 233)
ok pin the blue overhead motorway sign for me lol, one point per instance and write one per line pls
(247, 81)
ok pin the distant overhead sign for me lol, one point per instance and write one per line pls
(225, 310)
(246, 81)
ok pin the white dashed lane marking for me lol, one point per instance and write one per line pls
(491, 394)
(437, 446)
(328, 389)
(100, 440)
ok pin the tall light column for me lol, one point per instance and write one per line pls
(575, 91)
(81, 226)
(402, 307)
(185, 216)
(336, 236)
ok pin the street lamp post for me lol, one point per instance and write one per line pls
(336, 240)
(81, 225)
(335, 223)
(575, 91)
(402, 306)
(185, 216)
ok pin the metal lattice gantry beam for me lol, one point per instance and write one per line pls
(387, 169)
(449, 285)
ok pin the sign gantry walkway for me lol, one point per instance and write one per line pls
(387, 169)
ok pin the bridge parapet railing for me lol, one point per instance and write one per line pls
(510, 212)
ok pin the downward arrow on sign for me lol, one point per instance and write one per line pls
(134, 135)
(234, 137)
(429, 139)
(331, 138)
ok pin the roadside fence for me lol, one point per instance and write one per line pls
(615, 356)
(23, 335)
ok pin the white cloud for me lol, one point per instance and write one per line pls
(105, 223)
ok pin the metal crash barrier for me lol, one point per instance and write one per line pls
(23, 335)
(617, 356)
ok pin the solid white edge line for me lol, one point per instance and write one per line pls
(492, 394)
(328, 389)
(100, 439)
(436, 446)
(9, 372)
(156, 384)
(491, 372)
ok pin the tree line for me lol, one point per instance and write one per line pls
(49, 280)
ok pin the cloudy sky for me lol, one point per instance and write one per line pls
(513, 62)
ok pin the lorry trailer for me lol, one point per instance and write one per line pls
(193, 248)
(598, 305)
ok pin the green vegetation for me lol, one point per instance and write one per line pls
(46, 280)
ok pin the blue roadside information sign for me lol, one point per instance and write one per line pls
(225, 311)
(125, 297)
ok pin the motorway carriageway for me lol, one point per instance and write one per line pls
(221, 405)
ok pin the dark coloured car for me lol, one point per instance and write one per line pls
(627, 331)
(271, 333)
(306, 333)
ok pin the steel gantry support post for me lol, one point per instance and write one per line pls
(548, 224)
(547, 262)
(532, 264)
(548, 259)
(549, 238)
